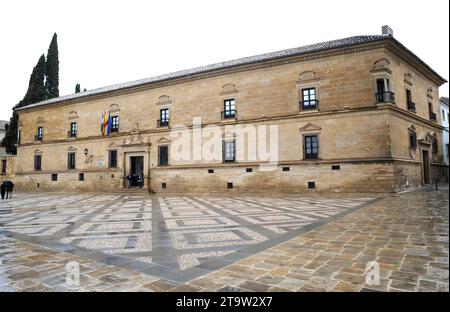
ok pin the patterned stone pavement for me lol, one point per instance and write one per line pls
(184, 243)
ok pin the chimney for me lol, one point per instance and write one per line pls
(387, 31)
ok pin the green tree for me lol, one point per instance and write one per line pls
(52, 69)
(77, 88)
(36, 92)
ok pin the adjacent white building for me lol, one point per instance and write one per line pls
(445, 123)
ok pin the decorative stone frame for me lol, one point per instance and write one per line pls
(307, 130)
(381, 70)
(412, 150)
(307, 79)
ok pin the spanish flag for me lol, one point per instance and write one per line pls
(105, 126)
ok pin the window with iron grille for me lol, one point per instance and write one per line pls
(112, 159)
(229, 108)
(164, 117)
(54, 177)
(309, 100)
(4, 164)
(37, 162)
(229, 151)
(71, 160)
(311, 147)
(115, 124)
(163, 155)
(73, 129)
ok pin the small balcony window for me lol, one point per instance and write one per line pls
(229, 109)
(164, 118)
(383, 94)
(410, 104)
(309, 99)
(40, 134)
(115, 124)
(73, 130)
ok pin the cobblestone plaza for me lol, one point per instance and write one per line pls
(238, 243)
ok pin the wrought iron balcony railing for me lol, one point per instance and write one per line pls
(162, 123)
(228, 114)
(311, 104)
(433, 116)
(71, 134)
(38, 137)
(411, 106)
(385, 97)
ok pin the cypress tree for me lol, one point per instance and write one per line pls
(36, 87)
(77, 88)
(52, 69)
(36, 92)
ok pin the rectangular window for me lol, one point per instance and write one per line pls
(443, 115)
(37, 162)
(40, 133)
(73, 129)
(163, 155)
(115, 124)
(71, 161)
(54, 177)
(112, 163)
(309, 100)
(164, 117)
(4, 166)
(311, 147)
(81, 177)
(434, 145)
(229, 109)
(229, 151)
(408, 96)
(412, 139)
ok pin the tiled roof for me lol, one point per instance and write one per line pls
(328, 45)
(444, 100)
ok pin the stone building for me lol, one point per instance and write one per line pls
(359, 114)
(7, 160)
(445, 135)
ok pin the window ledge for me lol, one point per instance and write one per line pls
(308, 111)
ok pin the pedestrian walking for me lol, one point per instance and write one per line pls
(3, 190)
(9, 189)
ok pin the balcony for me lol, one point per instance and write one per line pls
(411, 106)
(38, 138)
(162, 123)
(71, 134)
(385, 97)
(433, 116)
(309, 105)
(115, 129)
(229, 114)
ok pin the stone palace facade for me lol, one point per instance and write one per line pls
(359, 114)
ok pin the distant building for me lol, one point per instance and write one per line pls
(3, 155)
(444, 122)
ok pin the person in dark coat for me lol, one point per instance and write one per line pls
(3, 190)
(9, 189)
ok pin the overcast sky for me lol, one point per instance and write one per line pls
(108, 42)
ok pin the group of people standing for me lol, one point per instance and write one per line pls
(7, 188)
